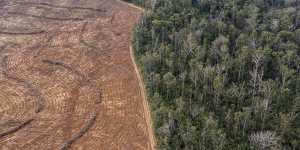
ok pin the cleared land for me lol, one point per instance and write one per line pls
(67, 79)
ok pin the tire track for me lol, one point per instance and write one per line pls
(83, 77)
(59, 6)
(67, 67)
(15, 129)
(44, 17)
(67, 144)
(34, 91)
(22, 33)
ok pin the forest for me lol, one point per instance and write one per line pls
(222, 74)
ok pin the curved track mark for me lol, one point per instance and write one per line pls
(59, 6)
(15, 129)
(63, 65)
(67, 144)
(44, 17)
(22, 33)
(34, 92)
(82, 76)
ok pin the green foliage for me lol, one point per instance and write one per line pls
(222, 75)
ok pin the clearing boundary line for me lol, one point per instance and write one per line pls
(147, 111)
(146, 105)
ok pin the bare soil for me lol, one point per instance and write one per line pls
(67, 80)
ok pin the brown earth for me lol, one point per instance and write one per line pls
(67, 79)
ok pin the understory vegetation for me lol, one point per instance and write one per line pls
(222, 74)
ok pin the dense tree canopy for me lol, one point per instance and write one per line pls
(222, 74)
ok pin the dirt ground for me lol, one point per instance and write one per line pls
(67, 80)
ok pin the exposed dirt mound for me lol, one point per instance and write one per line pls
(67, 80)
